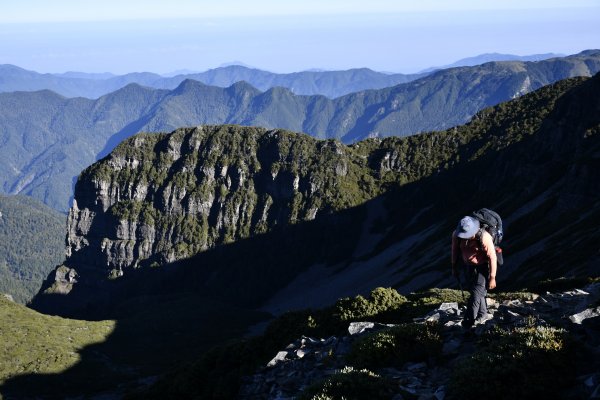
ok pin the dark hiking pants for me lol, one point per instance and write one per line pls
(477, 279)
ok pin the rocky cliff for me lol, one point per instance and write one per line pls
(158, 198)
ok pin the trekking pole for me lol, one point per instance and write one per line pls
(460, 286)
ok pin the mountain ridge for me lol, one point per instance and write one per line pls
(312, 82)
(329, 83)
(62, 136)
(492, 57)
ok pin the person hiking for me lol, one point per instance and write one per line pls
(476, 249)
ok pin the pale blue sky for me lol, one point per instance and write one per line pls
(285, 36)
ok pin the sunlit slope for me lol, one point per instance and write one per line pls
(31, 342)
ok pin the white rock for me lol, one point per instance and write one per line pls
(300, 353)
(433, 318)
(281, 356)
(356, 328)
(447, 306)
(585, 314)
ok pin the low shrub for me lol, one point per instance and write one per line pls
(522, 296)
(350, 384)
(434, 297)
(397, 345)
(531, 362)
(381, 300)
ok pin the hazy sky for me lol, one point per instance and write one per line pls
(285, 35)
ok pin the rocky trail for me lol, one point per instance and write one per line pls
(308, 360)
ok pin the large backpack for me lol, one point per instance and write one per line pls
(491, 222)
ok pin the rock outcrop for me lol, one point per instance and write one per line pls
(161, 198)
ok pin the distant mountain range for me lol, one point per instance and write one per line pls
(491, 57)
(76, 84)
(48, 139)
(313, 82)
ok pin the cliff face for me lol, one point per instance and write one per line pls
(160, 198)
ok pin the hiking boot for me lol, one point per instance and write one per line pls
(483, 319)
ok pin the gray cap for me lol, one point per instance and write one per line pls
(467, 228)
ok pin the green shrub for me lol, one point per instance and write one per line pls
(381, 300)
(530, 362)
(350, 384)
(397, 345)
(434, 297)
(522, 296)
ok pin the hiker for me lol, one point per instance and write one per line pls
(476, 247)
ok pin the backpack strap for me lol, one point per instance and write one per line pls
(499, 256)
(479, 236)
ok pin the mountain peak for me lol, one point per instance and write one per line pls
(587, 53)
(243, 86)
(129, 90)
(188, 86)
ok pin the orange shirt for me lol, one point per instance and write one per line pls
(475, 252)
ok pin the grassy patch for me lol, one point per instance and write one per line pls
(397, 345)
(33, 343)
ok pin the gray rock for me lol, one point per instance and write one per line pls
(585, 314)
(301, 353)
(451, 324)
(356, 328)
(9, 297)
(448, 306)
(433, 318)
(491, 303)
(281, 356)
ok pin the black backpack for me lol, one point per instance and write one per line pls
(492, 223)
